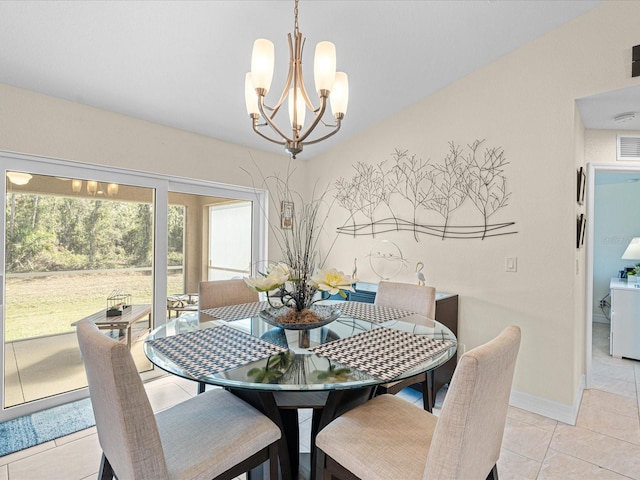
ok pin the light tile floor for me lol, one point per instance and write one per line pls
(604, 444)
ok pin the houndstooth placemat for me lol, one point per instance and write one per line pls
(383, 352)
(211, 350)
(372, 313)
(236, 312)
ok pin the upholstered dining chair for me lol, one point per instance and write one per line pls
(213, 435)
(388, 437)
(414, 298)
(221, 293)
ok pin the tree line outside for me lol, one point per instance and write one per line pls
(49, 233)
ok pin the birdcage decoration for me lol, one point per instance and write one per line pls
(118, 302)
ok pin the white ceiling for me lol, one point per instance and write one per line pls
(182, 63)
(599, 111)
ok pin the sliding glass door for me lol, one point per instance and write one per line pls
(76, 236)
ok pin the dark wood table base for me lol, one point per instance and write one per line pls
(282, 407)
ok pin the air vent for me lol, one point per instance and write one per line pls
(629, 147)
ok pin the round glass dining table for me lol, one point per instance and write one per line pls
(265, 365)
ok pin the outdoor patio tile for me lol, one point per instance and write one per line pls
(13, 394)
(49, 365)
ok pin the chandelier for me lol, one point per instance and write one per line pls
(94, 188)
(330, 85)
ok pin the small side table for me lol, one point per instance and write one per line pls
(122, 322)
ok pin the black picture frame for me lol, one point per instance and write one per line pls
(581, 183)
(581, 226)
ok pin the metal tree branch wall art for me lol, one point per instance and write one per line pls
(376, 192)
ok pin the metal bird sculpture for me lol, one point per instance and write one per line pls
(419, 274)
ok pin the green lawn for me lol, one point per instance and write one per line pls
(37, 306)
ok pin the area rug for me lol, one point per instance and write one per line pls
(24, 432)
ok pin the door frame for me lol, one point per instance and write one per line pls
(592, 170)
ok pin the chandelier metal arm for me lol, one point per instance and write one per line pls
(285, 90)
(270, 121)
(323, 106)
(336, 127)
(298, 77)
(255, 129)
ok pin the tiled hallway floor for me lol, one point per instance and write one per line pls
(605, 443)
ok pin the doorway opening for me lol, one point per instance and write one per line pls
(613, 196)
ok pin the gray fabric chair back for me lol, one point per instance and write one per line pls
(405, 296)
(126, 425)
(220, 293)
(468, 435)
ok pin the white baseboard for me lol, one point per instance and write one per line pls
(548, 408)
(600, 318)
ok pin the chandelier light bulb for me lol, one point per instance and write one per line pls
(301, 109)
(92, 187)
(250, 97)
(340, 95)
(76, 185)
(112, 189)
(262, 61)
(324, 66)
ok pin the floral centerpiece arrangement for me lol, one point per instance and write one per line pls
(297, 289)
(296, 279)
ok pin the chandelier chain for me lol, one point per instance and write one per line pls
(295, 17)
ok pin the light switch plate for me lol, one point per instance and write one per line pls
(511, 264)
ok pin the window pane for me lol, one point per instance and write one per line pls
(229, 240)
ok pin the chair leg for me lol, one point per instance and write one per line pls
(273, 460)
(319, 464)
(493, 474)
(106, 471)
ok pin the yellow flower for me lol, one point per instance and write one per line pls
(333, 281)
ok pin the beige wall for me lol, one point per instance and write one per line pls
(524, 103)
(37, 124)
